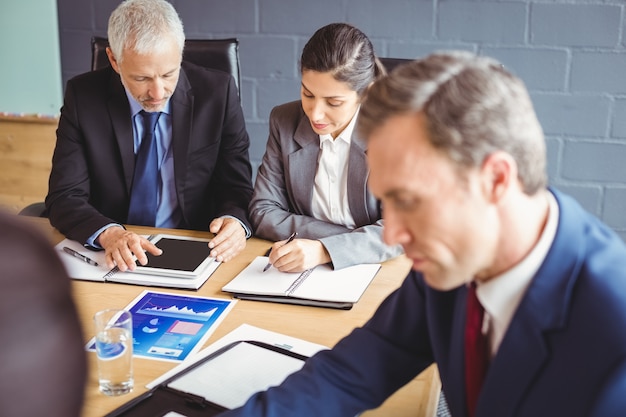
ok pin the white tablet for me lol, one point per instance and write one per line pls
(183, 257)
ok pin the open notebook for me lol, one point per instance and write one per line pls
(320, 286)
(185, 263)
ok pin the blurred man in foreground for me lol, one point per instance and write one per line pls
(42, 359)
(457, 158)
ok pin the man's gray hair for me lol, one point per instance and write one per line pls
(473, 107)
(142, 25)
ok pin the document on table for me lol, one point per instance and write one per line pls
(246, 332)
(231, 377)
(173, 326)
(222, 380)
(320, 286)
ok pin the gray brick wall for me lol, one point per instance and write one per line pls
(570, 53)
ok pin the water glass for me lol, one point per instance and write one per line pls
(114, 348)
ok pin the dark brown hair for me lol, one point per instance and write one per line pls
(345, 52)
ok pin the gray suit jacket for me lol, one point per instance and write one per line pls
(281, 202)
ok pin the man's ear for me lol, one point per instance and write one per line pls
(499, 172)
(112, 60)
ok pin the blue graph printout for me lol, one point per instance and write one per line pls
(172, 326)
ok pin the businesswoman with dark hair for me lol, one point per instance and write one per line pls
(313, 177)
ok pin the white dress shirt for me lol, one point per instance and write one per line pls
(330, 192)
(501, 295)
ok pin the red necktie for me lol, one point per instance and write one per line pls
(476, 350)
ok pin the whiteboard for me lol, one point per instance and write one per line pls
(30, 77)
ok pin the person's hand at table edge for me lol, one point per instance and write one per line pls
(229, 240)
(123, 247)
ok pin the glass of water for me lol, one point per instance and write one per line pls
(114, 348)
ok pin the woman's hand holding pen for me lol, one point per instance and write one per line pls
(298, 255)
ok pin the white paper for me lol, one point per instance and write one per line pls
(246, 332)
(232, 377)
(79, 269)
(322, 283)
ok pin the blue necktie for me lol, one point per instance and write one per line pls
(143, 194)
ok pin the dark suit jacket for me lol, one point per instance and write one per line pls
(564, 353)
(93, 162)
(42, 359)
(283, 193)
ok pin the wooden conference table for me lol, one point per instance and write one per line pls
(318, 325)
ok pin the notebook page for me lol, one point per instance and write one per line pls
(77, 268)
(232, 377)
(252, 280)
(244, 332)
(344, 285)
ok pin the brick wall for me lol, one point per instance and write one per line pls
(570, 53)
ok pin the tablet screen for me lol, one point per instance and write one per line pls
(180, 256)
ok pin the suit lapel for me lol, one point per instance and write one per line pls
(455, 386)
(524, 350)
(182, 117)
(357, 180)
(303, 166)
(119, 112)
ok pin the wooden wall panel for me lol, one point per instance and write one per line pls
(26, 146)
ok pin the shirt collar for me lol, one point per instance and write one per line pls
(345, 135)
(501, 295)
(135, 107)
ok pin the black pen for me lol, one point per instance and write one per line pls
(79, 256)
(292, 237)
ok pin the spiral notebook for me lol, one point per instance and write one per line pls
(185, 263)
(320, 286)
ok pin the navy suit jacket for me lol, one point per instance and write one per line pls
(94, 160)
(564, 353)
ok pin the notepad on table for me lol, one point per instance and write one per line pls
(223, 375)
(184, 263)
(320, 286)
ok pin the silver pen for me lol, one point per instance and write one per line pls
(79, 256)
(292, 237)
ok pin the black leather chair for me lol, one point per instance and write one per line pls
(391, 63)
(220, 54)
(35, 209)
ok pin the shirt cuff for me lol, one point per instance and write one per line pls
(91, 241)
(248, 231)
